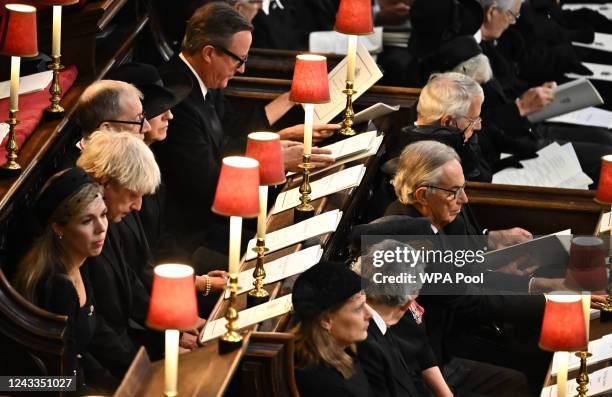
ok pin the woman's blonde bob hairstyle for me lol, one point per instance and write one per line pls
(122, 158)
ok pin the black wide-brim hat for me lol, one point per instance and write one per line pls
(322, 287)
(437, 21)
(450, 54)
(158, 96)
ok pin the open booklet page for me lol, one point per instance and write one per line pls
(326, 222)
(332, 42)
(341, 180)
(574, 95)
(248, 317)
(281, 268)
(366, 74)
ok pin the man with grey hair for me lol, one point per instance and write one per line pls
(449, 112)
(111, 105)
(397, 343)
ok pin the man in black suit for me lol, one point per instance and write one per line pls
(204, 129)
(126, 168)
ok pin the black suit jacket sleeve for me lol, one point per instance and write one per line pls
(374, 365)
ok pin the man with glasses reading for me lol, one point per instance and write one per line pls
(215, 47)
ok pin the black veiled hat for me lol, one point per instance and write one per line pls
(159, 95)
(59, 190)
(393, 225)
(323, 286)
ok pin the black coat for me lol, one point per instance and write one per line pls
(200, 135)
(137, 252)
(385, 366)
(325, 381)
(122, 302)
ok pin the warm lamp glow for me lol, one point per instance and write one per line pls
(173, 303)
(18, 31)
(60, 2)
(354, 17)
(265, 147)
(586, 270)
(238, 188)
(563, 324)
(310, 83)
(604, 187)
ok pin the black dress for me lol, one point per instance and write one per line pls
(58, 295)
(325, 381)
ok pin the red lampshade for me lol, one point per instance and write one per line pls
(354, 17)
(238, 188)
(265, 147)
(586, 270)
(173, 303)
(604, 188)
(563, 327)
(18, 31)
(310, 82)
(60, 2)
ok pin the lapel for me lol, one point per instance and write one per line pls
(209, 116)
(134, 223)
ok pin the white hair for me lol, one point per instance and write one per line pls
(477, 68)
(123, 158)
(503, 5)
(448, 93)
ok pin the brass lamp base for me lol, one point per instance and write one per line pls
(305, 210)
(259, 295)
(54, 110)
(349, 114)
(11, 167)
(231, 340)
(583, 374)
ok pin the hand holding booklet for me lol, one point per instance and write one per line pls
(571, 96)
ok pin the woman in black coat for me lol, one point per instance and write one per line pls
(332, 316)
(52, 274)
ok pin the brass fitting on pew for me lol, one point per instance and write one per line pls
(11, 164)
(54, 110)
(305, 210)
(259, 295)
(231, 340)
(349, 114)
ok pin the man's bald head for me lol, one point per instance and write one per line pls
(107, 100)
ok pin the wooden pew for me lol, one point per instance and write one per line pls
(540, 210)
(264, 62)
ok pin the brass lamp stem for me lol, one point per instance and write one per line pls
(231, 340)
(54, 110)
(259, 294)
(11, 164)
(305, 209)
(583, 374)
(349, 114)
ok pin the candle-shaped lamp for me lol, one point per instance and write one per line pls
(17, 40)
(354, 18)
(586, 270)
(54, 110)
(237, 196)
(172, 307)
(310, 85)
(603, 195)
(563, 330)
(264, 147)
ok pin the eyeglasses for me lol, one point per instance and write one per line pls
(472, 121)
(142, 117)
(241, 61)
(454, 193)
(514, 15)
